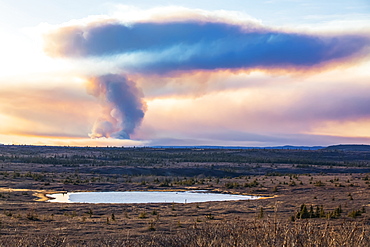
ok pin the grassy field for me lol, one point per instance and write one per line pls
(311, 197)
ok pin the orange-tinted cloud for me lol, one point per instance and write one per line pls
(283, 111)
(50, 112)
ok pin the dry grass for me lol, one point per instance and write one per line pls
(226, 233)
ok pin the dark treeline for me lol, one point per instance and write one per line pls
(150, 156)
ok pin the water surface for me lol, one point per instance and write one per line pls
(145, 197)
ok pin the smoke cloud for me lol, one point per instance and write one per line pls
(123, 106)
(193, 45)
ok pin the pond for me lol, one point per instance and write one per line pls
(145, 197)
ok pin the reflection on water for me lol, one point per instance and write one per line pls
(145, 197)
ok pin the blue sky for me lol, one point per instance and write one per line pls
(22, 13)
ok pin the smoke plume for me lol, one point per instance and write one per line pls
(194, 45)
(123, 106)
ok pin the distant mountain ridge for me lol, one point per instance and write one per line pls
(350, 147)
(241, 147)
(339, 147)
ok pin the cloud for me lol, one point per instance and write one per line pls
(227, 139)
(283, 108)
(123, 106)
(202, 44)
(47, 111)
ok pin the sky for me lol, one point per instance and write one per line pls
(184, 73)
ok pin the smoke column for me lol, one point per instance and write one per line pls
(123, 106)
